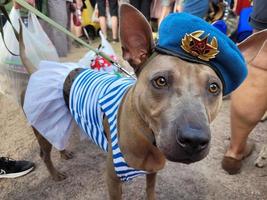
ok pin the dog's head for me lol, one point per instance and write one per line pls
(176, 98)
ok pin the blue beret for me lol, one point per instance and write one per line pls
(193, 39)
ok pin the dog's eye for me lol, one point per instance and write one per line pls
(214, 88)
(160, 82)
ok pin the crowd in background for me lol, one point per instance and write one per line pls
(93, 15)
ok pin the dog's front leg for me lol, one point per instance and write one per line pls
(114, 188)
(150, 185)
(113, 182)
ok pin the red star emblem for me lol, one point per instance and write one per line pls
(201, 48)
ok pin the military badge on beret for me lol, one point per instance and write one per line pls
(194, 40)
(201, 48)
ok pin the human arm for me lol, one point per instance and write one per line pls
(17, 6)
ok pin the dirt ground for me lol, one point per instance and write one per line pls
(86, 171)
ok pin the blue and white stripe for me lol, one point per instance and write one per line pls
(92, 95)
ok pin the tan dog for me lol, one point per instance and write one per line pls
(249, 101)
(166, 114)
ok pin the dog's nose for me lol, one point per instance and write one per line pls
(193, 140)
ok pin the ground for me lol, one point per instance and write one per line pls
(86, 171)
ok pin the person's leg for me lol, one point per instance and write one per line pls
(136, 4)
(145, 8)
(102, 16)
(113, 7)
(14, 168)
(165, 11)
(248, 102)
(258, 20)
(114, 21)
(68, 12)
(93, 2)
(245, 115)
(58, 12)
(166, 8)
(103, 25)
(59, 15)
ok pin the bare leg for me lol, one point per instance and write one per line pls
(150, 185)
(247, 107)
(165, 11)
(114, 21)
(103, 25)
(45, 150)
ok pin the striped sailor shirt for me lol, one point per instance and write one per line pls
(93, 95)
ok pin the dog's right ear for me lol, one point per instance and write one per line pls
(253, 46)
(136, 37)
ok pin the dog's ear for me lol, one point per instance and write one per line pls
(136, 37)
(261, 58)
(253, 45)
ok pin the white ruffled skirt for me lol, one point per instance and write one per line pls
(44, 104)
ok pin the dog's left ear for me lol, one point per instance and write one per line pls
(254, 45)
(136, 37)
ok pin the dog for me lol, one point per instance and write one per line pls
(165, 114)
(248, 103)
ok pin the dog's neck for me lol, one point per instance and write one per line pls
(136, 139)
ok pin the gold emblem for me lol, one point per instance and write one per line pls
(198, 47)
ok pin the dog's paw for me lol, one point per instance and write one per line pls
(59, 176)
(66, 155)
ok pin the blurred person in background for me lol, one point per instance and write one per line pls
(167, 7)
(258, 17)
(196, 7)
(9, 6)
(239, 147)
(10, 168)
(113, 9)
(200, 8)
(143, 6)
(59, 11)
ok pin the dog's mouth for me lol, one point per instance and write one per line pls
(176, 152)
(183, 157)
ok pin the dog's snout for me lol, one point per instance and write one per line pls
(193, 140)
